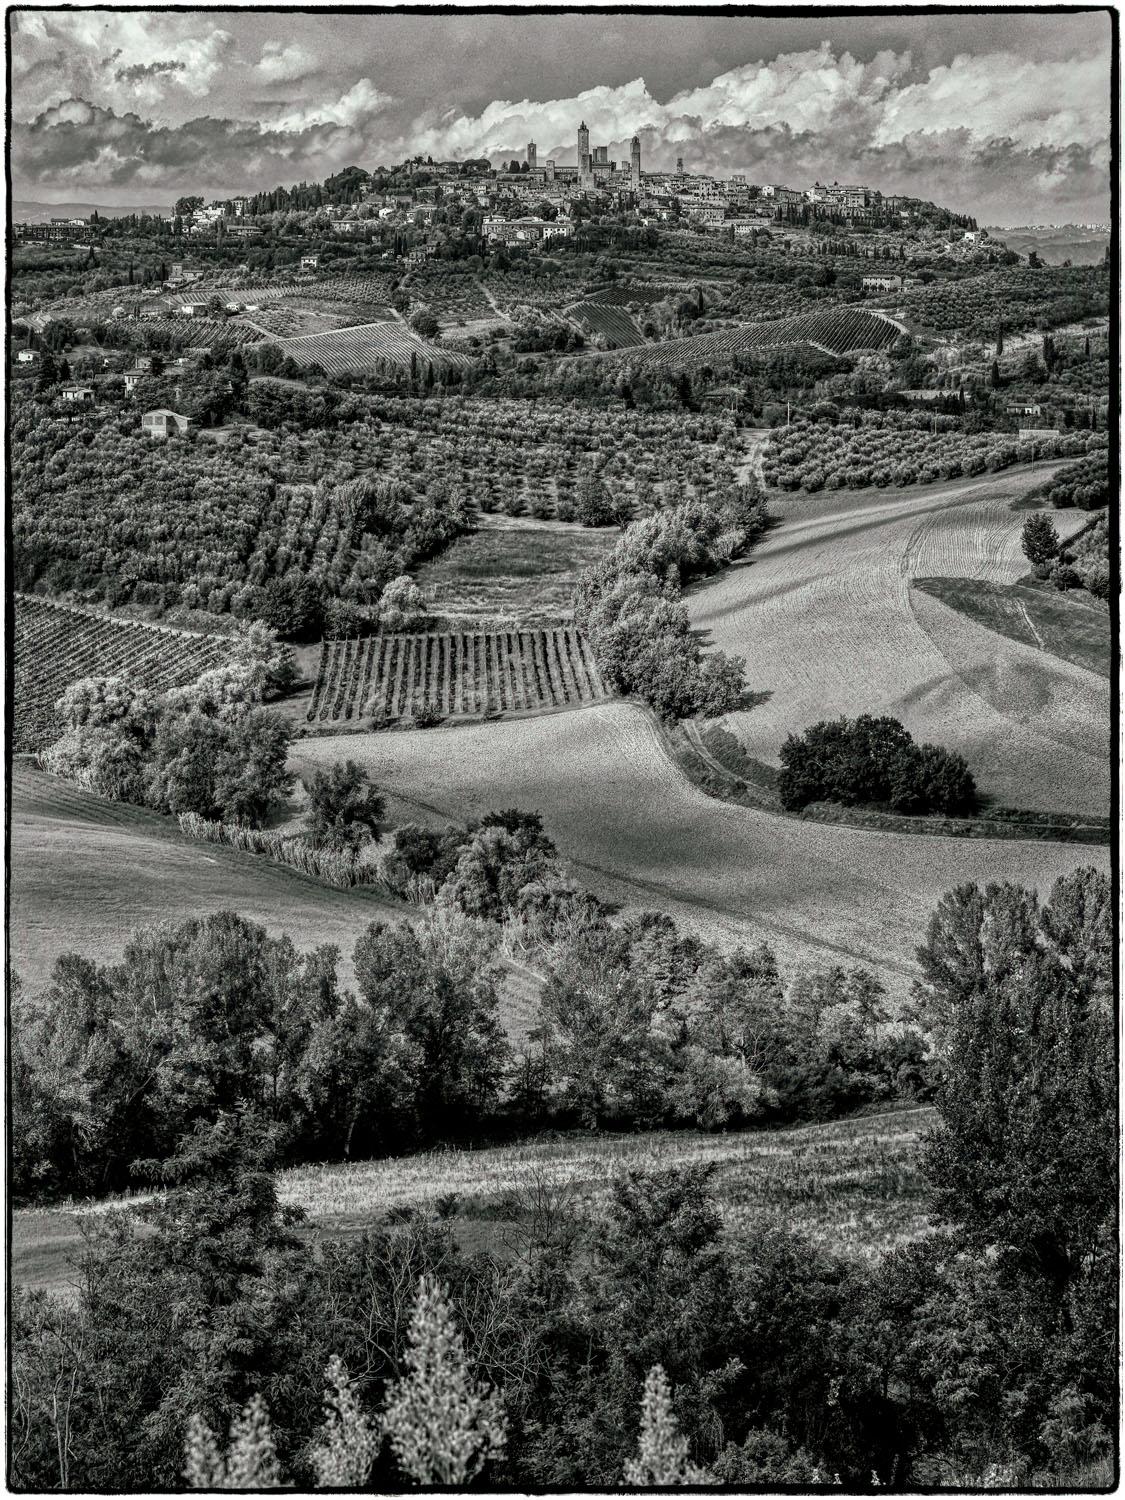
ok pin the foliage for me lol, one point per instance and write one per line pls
(345, 811)
(250, 1462)
(443, 1426)
(661, 1450)
(1039, 540)
(872, 760)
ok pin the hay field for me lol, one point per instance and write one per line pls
(828, 622)
(86, 872)
(852, 1185)
(636, 831)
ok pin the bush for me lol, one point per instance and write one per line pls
(874, 761)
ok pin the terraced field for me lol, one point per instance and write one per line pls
(454, 675)
(829, 624)
(839, 330)
(637, 832)
(370, 346)
(613, 324)
(56, 644)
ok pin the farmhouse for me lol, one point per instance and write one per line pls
(80, 395)
(134, 376)
(1025, 409)
(882, 283)
(160, 422)
(193, 310)
(27, 357)
(309, 262)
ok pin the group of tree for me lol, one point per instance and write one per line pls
(875, 762)
(209, 747)
(1084, 562)
(634, 1339)
(629, 604)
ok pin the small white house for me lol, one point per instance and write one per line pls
(193, 310)
(309, 262)
(79, 395)
(161, 422)
(27, 357)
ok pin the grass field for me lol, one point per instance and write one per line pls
(86, 873)
(637, 832)
(512, 569)
(825, 614)
(1073, 625)
(853, 1185)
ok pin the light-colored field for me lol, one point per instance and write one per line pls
(85, 873)
(636, 831)
(828, 622)
(853, 1185)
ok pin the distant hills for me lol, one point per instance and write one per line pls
(1054, 243)
(24, 211)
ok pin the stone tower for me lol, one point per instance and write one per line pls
(635, 163)
(583, 150)
(531, 156)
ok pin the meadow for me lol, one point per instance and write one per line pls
(512, 569)
(852, 1185)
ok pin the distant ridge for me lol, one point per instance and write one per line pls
(26, 211)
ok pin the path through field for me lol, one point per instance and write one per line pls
(637, 832)
(828, 623)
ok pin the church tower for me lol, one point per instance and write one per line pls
(635, 164)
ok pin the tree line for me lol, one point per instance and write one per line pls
(637, 1338)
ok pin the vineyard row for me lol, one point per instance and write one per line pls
(451, 675)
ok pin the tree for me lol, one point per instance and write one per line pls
(402, 605)
(661, 1449)
(345, 811)
(250, 1462)
(292, 606)
(425, 324)
(443, 1425)
(1040, 540)
(349, 1441)
(1017, 998)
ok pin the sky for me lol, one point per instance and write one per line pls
(1003, 116)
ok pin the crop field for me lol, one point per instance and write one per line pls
(644, 295)
(637, 832)
(837, 330)
(829, 622)
(611, 323)
(1071, 625)
(294, 315)
(512, 570)
(454, 675)
(852, 1185)
(57, 644)
(371, 346)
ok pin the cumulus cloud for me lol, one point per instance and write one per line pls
(991, 134)
(361, 103)
(285, 64)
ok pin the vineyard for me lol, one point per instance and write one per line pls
(294, 316)
(385, 677)
(839, 330)
(613, 324)
(373, 346)
(57, 644)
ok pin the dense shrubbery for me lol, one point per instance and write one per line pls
(1085, 483)
(982, 1354)
(885, 448)
(630, 607)
(1083, 563)
(1020, 297)
(207, 748)
(874, 761)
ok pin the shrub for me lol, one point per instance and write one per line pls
(873, 760)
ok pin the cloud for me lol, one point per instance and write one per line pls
(355, 108)
(989, 134)
(281, 64)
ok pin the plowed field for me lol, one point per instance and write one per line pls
(637, 832)
(829, 624)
